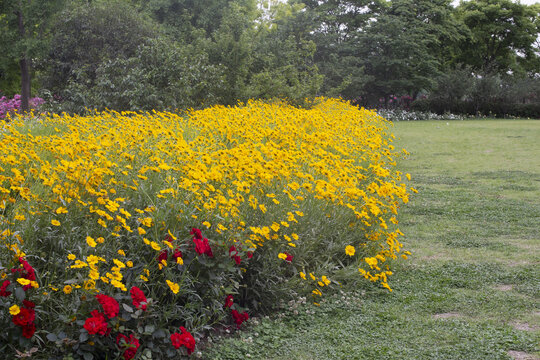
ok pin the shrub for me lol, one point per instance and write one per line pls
(11, 106)
(134, 233)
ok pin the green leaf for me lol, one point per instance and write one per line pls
(128, 308)
(20, 294)
(83, 337)
(149, 329)
(52, 337)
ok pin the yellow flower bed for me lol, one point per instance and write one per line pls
(107, 195)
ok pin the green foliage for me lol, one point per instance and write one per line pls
(502, 36)
(462, 92)
(87, 36)
(161, 75)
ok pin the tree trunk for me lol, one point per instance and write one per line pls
(25, 71)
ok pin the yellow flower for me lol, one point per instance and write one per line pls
(155, 246)
(118, 284)
(14, 310)
(302, 275)
(91, 242)
(282, 256)
(67, 289)
(23, 281)
(173, 286)
(71, 257)
(20, 217)
(55, 222)
(129, 264)
(350, 250)
(141, 231)
(325, 280)
(61, 210)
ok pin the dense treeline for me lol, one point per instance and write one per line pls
(167, 54)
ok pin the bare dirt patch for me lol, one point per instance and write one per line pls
(524, 326)
(448, 315)
(504, 287)
(520, 355)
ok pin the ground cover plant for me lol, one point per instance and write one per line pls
(470, 289)
(130, 235)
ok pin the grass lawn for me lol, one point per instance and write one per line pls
(471, 289)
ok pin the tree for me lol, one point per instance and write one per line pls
(24, 25)
(87, 35)
(502, 36)
(403, 49)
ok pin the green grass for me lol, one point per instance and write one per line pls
(471, 289)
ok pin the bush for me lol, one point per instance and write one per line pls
(134, 233)
(11, 106)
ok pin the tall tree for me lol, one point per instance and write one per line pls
(24, 24)
(404, 48)
(502, 36)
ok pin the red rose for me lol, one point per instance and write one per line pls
(239, 318)
(229, 301)
(234, 254)
(96, 324)
(203, 247)
(250, 254)
(109, 304)
(138, 297)
(131, 344)
(184, 339)
(289, 257)
(24, 317)
(29, 330)
(3, 288)
(197, 234)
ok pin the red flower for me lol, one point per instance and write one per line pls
(250, 254)
(27, 272)
(289, 257)
(177, 254)
(234, 254)
(229, 301)
(239, 318)
(131, 343)
(24, 317)
(29, 330)
(168, 238)
(3, 288)
(163, 256)
(109, 304)
(203, 247)
(139, 299)
(184, 339)
(96, 324)
(28, 304)
(197, 234)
